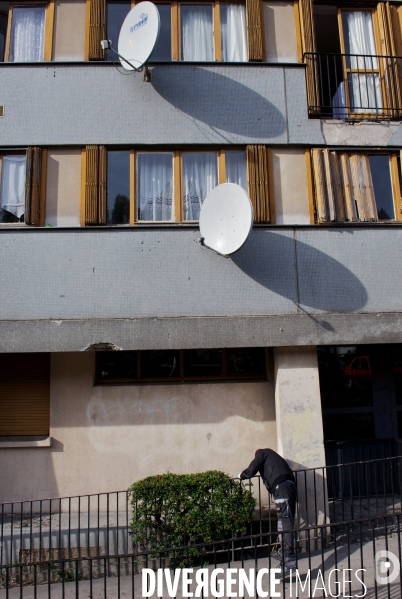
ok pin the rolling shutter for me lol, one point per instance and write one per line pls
(24, 394)
(257, 165)
(254, 31)
(95, 185)
(33, 187)
(97, 28)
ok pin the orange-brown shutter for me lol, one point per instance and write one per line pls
(33, 187)
(258, 185)
(391, 47)
(363, 190)
(24, 394)
(254, 31)
(97, 28)
(95, 185)
(309, 46)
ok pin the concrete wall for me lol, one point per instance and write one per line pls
(106, 437)
(290, 186)
(280, 32)
(69, 289)
(184, 104)
(63, 188)
(69, 30)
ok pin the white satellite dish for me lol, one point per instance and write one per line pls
(138, 35)
(226, 219)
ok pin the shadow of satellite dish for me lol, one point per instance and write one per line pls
(323, 282)
(218, 101)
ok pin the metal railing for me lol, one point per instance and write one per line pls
(345, 564)
(96, 525)
(352, 86)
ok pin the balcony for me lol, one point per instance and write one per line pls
(355, 87)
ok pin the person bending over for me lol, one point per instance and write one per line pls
(280, 482)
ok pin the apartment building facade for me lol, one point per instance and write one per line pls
(128, 349)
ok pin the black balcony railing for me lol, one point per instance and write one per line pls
(351, 86)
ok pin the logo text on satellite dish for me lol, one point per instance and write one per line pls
(143, 21)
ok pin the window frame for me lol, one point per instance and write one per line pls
(4, 153)
(226, 376)
(395, 165)
(347, 71)
(49, 25)
(177, 181)
(176, 26)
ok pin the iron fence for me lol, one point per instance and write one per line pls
(354, 86)
(96, 525)
(346, 562)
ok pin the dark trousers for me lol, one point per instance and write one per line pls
(285, 503)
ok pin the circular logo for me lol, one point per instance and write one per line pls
(387, 567)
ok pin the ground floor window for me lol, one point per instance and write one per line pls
(181, 365)
(24, 394)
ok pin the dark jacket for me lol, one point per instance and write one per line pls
(272, 468)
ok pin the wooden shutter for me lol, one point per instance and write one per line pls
(350, 203)
(24, 394)
(363, 190)
(95, 185)
(254, 31)
(309, 46)
(391, 47)
(320, 185)
(33, 187)
(97, 28)
(258, 173)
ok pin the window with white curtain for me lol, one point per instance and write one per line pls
(363, 74)
(27, 33)
(200, 176)
(166, 186)
(12, 188)
(233, 32)
(196, 32)
(155, 186)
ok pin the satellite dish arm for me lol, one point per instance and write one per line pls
(107, 45)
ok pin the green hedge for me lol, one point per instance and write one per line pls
(172, 510)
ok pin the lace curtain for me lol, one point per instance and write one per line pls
(196, 32)
(233, 33)
(155, 186)
(200, 176)
(27, 34)
(12, 190)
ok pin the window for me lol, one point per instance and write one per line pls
(125, 186)
(354, 186)
(26, 31)
(180, 365)
(189, 31)
(25, 394)
(352, 56)
(22, 187)
(12, 188)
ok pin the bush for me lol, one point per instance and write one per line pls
(172, 510)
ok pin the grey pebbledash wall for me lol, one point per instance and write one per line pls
(64, 290)
(185, 104)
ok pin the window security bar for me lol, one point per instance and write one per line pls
(352, 86)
